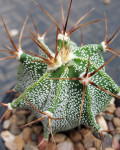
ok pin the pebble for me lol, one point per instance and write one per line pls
(6, 124)
(14, 32)
(107, 1)
(79, 146)
(34, 137)
(27, 134)
(108, 117)
(97, 142)
(109, 148)
(111, 127)
(101, 121)
(59, 137)
(68, 139)
(110, 108)
(7, 136)
(31, 118)
(13, 119)
(14, 129)
(19, 143)
(118, 130)
(92, 148)
(116, 122)
(88, 142)
(65, 146)
(37, 129)
(107, 141)
(75, 136)
(23, 112)
(115, 143)
(51, 146)
(29, 146)
(21, 120)
(42, 144)
(117, 112)
(85, 132)
(10, 145)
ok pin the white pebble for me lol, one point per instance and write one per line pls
(7, 136)
(14, 32)
(6, 124)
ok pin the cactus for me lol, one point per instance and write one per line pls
(66, 88)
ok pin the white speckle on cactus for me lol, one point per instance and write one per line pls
(9, 106)
(66, 57)
(56, 64)
(104, 46)
(63, 37)
(84, 79)
(20, 52)
(48, 114)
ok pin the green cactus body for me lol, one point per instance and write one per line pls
(62, 98)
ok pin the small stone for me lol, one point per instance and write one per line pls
(65, 146)
(51, 146)
(116, 122)
(23, 112)
(68, 139)
(7, 136)
(27, 134)
(112, 101)
(115, 143)
(92, 148)
(107, 1)
(13, 119)
(79, 146)
(88, 142)
(107, 141)
(41, 142)
(14, 129)
(101, 121)
(108, 116)
(21, 120)
(110, 108)
(111, 127)
(31, 118)
(109, 148)
(85, 132)
(37, 129)
(117, 136)
(10, 145)
(75, 136)
(118, 130)
(59, 137)
(14, 111)
(19, 143)
(14, 32)
(117, 112)
(34, 137)
(97, 142)
(6, 124)
(29, 146)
